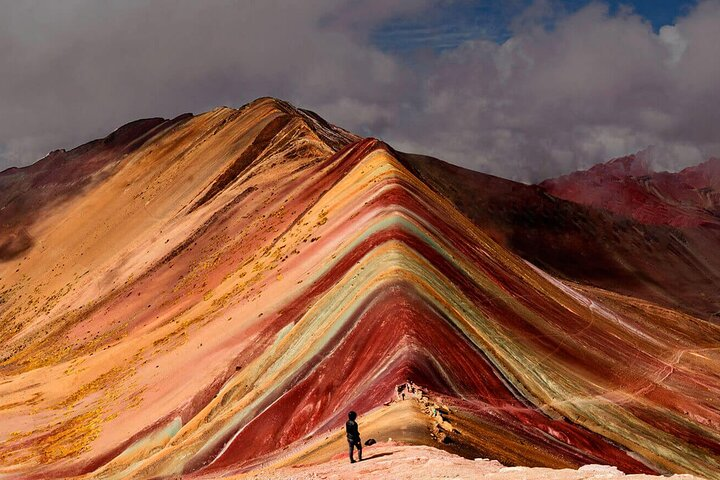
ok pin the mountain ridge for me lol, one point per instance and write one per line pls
(629, 187)
(319, 272)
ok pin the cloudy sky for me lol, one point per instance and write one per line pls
(525, 89)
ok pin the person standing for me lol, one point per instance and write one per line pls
(353, 436)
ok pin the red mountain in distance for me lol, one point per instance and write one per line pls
(210, 296)
(628, 187)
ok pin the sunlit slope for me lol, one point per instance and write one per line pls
(250, 276)
(91, 316)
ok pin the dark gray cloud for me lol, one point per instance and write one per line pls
(74, 69)
(542, 103)
(594, 87)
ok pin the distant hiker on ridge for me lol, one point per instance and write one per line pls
(353, 436)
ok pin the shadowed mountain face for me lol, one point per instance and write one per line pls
(214, 293)
(674, 263)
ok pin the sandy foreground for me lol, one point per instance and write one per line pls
(392, 461)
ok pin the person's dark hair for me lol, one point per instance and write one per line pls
(352, 415)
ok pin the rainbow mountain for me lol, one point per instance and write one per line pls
(208, 296)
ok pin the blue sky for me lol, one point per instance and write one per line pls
(445, 27)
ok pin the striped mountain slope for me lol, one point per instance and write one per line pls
(233, 284)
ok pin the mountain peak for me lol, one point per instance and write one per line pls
(703, 176)
(219, 295)
(334, 136)
(629, 187)
(635, 165)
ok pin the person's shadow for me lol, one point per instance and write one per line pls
(377, 455)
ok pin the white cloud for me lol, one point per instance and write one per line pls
(593, 87)
(675, 43)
